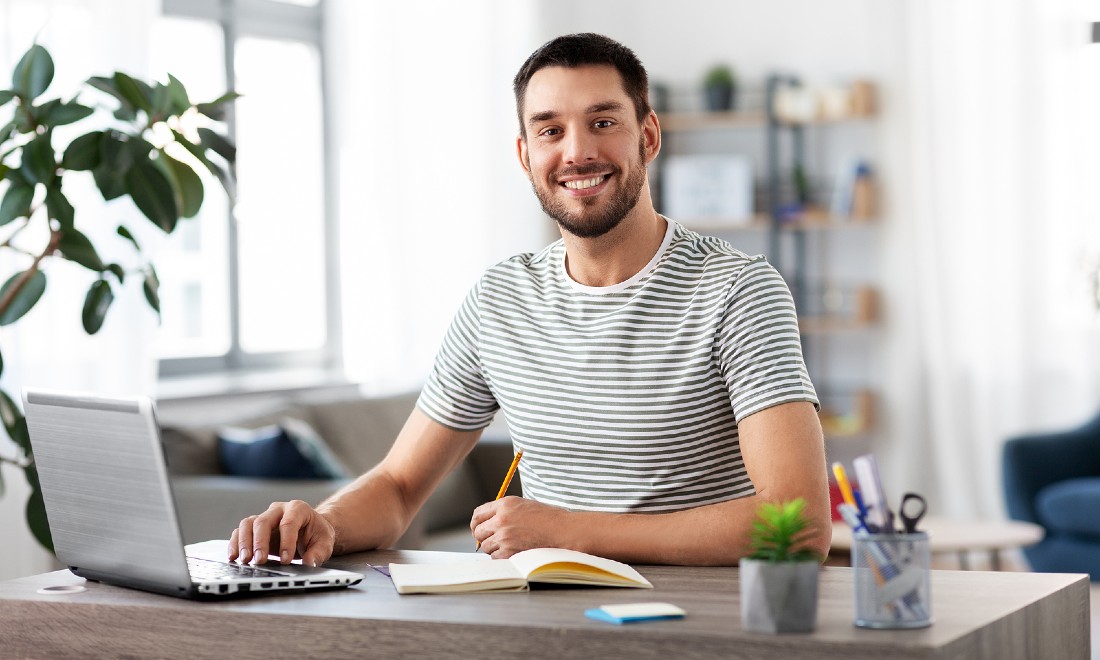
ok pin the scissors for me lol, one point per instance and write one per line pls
(909, 520)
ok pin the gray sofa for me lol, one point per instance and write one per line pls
(359, 431)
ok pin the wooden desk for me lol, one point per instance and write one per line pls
(977, 615)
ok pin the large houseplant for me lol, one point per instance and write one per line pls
(779, 576)
(148, 152)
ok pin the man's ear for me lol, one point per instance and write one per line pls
(651, 134)
(521, 152)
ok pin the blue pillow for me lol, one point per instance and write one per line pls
(277, 452)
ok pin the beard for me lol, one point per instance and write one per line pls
(597, 222)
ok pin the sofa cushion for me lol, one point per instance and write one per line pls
(361, 431)
(1071, 506)
(193, 450)
(289, 450)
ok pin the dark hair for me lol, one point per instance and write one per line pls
(574, 50)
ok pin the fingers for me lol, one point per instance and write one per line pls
(297, 516)
(233, 550)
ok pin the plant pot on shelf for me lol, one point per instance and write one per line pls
(719, 99)
(719, 88)
(779, 597)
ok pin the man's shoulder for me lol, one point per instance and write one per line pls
(525, 265)
(711, 255)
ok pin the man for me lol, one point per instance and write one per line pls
(652, 377)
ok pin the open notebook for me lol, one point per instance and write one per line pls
(548, 565)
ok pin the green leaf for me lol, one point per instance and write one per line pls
(153, 195)
(33, 73)
(117, 158)
(126, 111)
(132, 91)
(66, 113)
(152, 289)
(187, 184)
(216, 109)
(84, 153)
(9, 413)
(125, 233)
(39, 164)
(219, 143)
(17, 202)
(58, 206)
(200, 153)
(25, 299)
(21, 436)
(177, 94)
(96, 304)
(6, 95)
(76, 247)
(36, 513)
(111, 182)
(118, 272)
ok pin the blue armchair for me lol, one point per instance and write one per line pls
(1054, 480)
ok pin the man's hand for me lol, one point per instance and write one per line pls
(512, 524)
(287, 529)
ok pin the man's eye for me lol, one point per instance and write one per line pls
(604, 123)
(550, 132)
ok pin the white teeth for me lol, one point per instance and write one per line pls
(584, 183)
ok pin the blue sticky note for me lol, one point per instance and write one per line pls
(635, 612)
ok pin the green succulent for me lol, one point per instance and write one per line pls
(779, 531)
(719, 76)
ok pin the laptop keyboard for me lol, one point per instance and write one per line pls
(206, 569)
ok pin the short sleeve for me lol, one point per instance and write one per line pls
(456, 394)
(759, 345)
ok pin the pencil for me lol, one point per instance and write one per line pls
(842, 481)
(508, 477)
(507, 482)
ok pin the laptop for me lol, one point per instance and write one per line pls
(110, 507)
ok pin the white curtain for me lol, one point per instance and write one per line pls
(993, 229)
(48, 347)
(430, 189)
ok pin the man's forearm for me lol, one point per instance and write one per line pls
(714, 535)
(368, 513)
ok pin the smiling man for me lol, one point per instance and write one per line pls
(652, 377)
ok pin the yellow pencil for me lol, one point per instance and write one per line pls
(507, 480)
(508, 477)
(842, 481)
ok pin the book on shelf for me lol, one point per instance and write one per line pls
(517, 573)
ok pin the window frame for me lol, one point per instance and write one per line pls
(273, 20)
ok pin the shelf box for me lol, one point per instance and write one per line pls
(837, 310)
(847, 415)
(709, 188)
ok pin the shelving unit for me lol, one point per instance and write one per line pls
(836, 320)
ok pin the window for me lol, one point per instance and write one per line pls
(252, 284)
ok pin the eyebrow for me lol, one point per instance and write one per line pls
(603, 106)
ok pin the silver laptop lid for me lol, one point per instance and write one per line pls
(105, 485)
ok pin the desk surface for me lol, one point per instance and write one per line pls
(977, 615)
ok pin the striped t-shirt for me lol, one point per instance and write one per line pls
(624, 398)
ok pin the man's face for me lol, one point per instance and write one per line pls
(585, 151)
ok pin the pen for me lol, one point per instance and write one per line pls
(507, 480)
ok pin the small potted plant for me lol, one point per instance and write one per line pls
(779, 577)
(719, 88)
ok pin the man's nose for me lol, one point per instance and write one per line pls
(579, 147)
